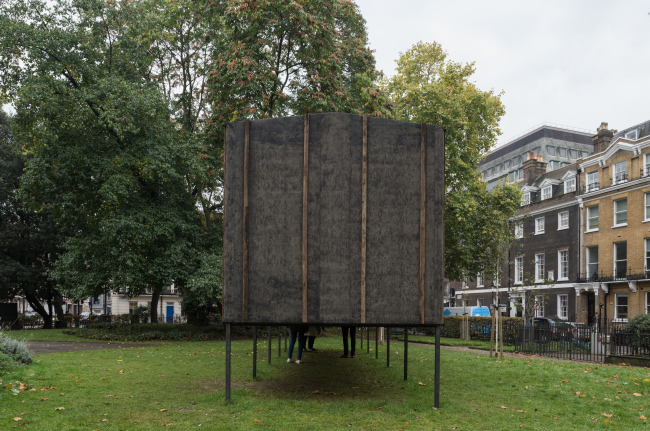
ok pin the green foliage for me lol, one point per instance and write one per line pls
(479, 327)
(13, 352)
(639, 323)
(202, 290)
(429, 88)
(147, 332)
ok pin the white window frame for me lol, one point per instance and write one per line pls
(619, 169)
(480, 279)
(539, 267)
(525, 199)
(563, 265)
(646, 215)
(560, 220)
(647, 303)
(479, 302)
(547, 192)
(539, 305)
(590, 209)
(519, 229)
(627, 306)
(616, 212)
(570, 185)
(592, 181)
(550, 275)
(539, 224)
(519, 270)
(589, 251)
(632, 135)
(563, 307)
(646, 165)
(646, 241)
(616, 259)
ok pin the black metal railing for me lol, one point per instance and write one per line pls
(645, 171)
(627, 274)
(619, 177)
(568, 340)
(591, 187)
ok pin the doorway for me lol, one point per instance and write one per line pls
(591, 308)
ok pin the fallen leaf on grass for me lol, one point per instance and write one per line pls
(521, 411)
(316, 391)
(104, 420)
(121, 372)
(17, 419)
(256, 420)
(43, 399)
(637, 394)
(332, 393)
(564, 381)
(59, 408)
(642, 417)
(422, 384)
(32, 390)
(526, 387)
(167, 425)
(607, 415)
(163, 375)
(354, 387)
(163, 410)
(108, 396)
(504, 407)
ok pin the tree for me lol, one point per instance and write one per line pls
(429, 88)
(105, 160)
(292, 57)
(29, 240)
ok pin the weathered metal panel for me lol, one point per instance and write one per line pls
(334, 221)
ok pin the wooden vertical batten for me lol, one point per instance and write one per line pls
(305, 193)
(423, 214)
(364, 215)
(247, 139)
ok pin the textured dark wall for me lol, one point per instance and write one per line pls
(334, 221)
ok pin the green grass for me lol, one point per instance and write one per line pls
(186, 380)
(45, 335)
(452, 342)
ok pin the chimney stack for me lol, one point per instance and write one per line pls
(602, 138)
(534, 166)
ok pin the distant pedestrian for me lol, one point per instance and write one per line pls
(352, 332)
(296, 332)
(311, 335)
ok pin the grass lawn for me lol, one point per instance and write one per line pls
(452, 342)
(45, 335)
(180, 384)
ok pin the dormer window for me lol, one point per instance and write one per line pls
(561, 152)
(573, 154)
(515, 161)
(570, 185)
(506, 164)
(620, 172)
(547, 192)
(550, 150)
(632, 135)
(646, 165)
(525, 200)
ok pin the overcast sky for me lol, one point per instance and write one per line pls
(575, 63)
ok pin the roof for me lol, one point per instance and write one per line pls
(555, 174)
(644, 130)
(542, 132)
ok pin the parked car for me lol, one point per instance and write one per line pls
(552, 328)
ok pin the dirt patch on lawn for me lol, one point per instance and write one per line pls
(69, 346)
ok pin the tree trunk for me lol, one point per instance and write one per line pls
(38, 307)
(58, 309)
(155, 295)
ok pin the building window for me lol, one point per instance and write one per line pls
(620, 212)
(645, 171)
(647, 206)
(506, 164)
(554, 164)
(570, 185)
(539, 305)
(498, 168)
(563, 306)
(573, 154)
(512, 176)
(132, 306)
(620, 259)
(563, 220)
(647, 256)
(561, 152)
(621, 306)
(592, 262)
(592, 218)
(480, 278)
(563, 265)
(550, 150)
(490, 172)
(515, 160)
(479, 302)
(519, 229)
(632, 135)
(539, 225)
(592, 181)
(647, 303)
(547, 192)
(519, 270)
(620, 172)
(525, 200)
(539, 268)
(584, 154)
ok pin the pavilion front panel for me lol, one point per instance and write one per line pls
(394, 196)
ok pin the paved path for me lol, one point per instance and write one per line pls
(67, 346)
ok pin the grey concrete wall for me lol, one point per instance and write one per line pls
(334, 221)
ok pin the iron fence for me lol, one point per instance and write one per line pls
(569, 341)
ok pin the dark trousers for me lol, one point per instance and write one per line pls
(293, 336)
(310, 342)
(352, 331)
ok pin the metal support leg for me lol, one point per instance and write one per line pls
(269, 355)
(436, 397)
(406, 353)
(254, 351)
(388, 347)
(228, 362)
(376, 342)
(279, 342)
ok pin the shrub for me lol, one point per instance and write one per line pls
(13, 352)
(480, 327)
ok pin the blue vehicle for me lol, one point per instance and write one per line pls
(471, 311)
